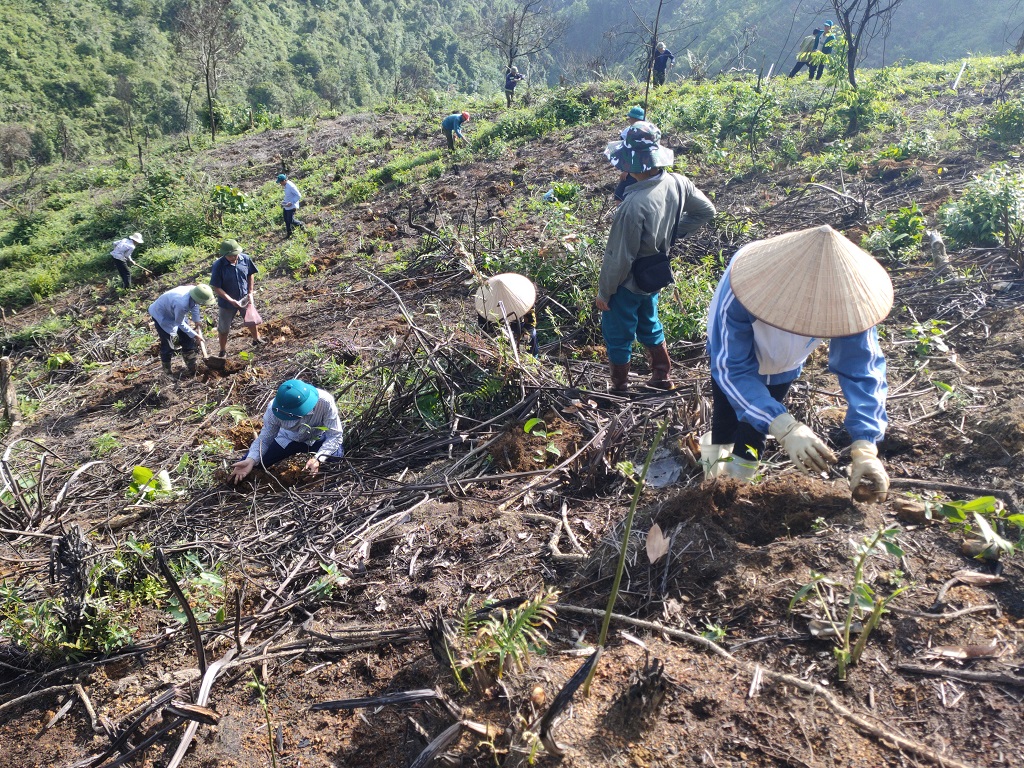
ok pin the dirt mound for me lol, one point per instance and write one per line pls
(759, 513)
(1005, 431)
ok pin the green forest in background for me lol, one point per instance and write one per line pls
(80, 76)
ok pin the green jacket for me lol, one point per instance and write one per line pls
(642, 226)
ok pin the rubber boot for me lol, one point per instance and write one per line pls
(166, 365)
(619, 377)
(661, 367)
(713, 458)
(190, 361)
(740, 468)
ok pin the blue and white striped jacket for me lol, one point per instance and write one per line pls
(747, 355)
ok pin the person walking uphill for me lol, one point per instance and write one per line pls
(122, 256)
(663, 59)
(827, 42)
(290, 203)
(658, 208)
(171, 313)
(512, 78)
(232, 278)
(775, 303)
(300, 419)
(451, 127)
(806, 55)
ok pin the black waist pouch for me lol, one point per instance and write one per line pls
(652, 273)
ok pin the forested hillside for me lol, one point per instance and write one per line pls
(78, 76)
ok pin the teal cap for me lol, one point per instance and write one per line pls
(637, 113)
(282, 177)
(294, 400)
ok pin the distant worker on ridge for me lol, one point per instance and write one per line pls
(827, 41)
(778, 299)
(634, 116)
(451, 127)
(290, 203)
(663, 59)
(806, 56)
(232, 278)
(512, 78)
(300, 419)
(122, 256)
(171, 315)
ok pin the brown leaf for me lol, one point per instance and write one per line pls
(975, 579)
(657, 544)
(963, 652)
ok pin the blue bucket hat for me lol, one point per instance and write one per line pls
(294, 400)
(637, 113)
(281, 177)
(640, 151)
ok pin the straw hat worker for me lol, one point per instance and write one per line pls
(509, 296)
(778, 299)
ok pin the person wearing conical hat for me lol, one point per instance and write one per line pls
(122, 256)
(658, 208)
(778, 299)
(511, 297)
(300, 419)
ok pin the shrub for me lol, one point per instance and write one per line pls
(989, 212)
(1007, 124)
(900, 234)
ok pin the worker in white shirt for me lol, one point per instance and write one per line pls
(122, 256)
(290, 203)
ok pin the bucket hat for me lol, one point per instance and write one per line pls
(136, 237)
(636, 113)
(202, 294)
(230, 248)
(515, 292)
(294, 399)
(640, 150)
(813, 282)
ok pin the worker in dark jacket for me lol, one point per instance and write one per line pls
(512, 78)
(663, 59)
(807, 57)
(828, 40)
(451, 127)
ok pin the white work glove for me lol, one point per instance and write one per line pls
(805, 448)
(868, 479)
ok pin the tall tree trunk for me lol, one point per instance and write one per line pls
(209, 107)
(851, 62)
(1020, 45)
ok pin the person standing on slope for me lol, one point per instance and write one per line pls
(663, 59)
(290, 203)
(512, 78)
(122, 256)
(660, 207)
(451, 127)
(778, 299)
(805, 57)
(232, 278)
(171, 313)
(634, 116)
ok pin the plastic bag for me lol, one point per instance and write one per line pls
(252, 317)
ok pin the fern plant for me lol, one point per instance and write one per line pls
(509, 636)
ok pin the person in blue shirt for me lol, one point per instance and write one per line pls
(171, 315)
(232, 278)
(663, 59)
(776, 302)
(512, 78)
(290, 203)
(451, 127)
(827, 42)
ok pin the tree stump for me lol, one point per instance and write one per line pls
(7, 393)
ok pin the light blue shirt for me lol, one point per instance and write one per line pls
(171, 311)
(747, 356)
(291, 196)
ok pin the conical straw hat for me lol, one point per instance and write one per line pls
(813, 282)
(516, 292)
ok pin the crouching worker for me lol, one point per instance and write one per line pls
(778, 299)
(509, 296)
(171, 315)
(300, 419)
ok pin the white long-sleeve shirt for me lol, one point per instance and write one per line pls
(291, 196)
(323, 421)
(123, 250)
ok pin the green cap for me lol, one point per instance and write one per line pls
(202, 294)
(294, 400)
(230, 248)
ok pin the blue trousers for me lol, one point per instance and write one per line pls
(632, 316)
